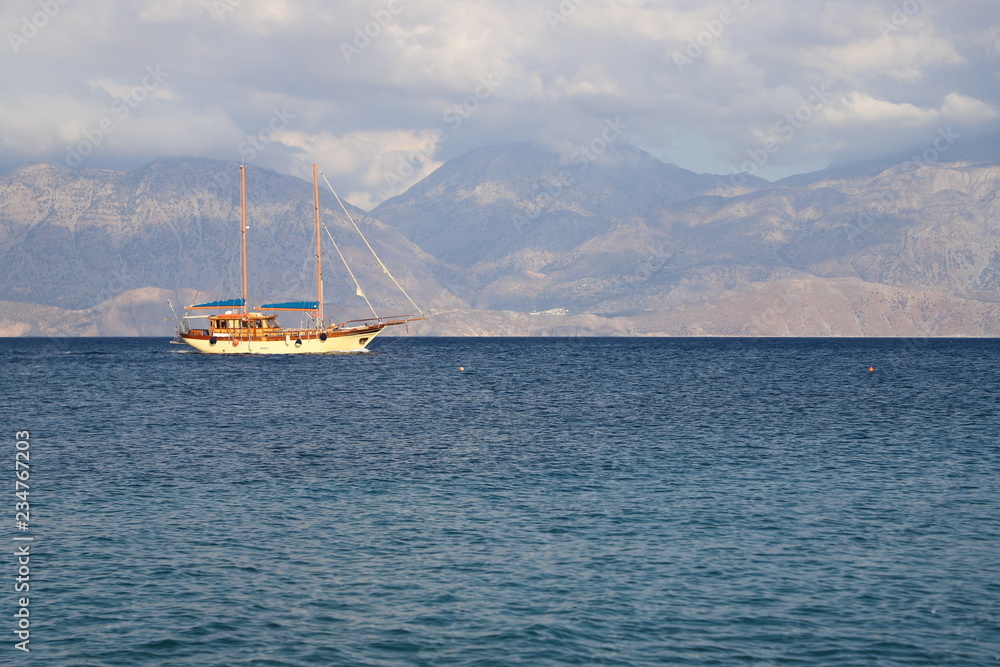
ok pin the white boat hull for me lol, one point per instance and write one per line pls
(337, 342)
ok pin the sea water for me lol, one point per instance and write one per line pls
(507, 502)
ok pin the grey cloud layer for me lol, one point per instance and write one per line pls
(381, 92)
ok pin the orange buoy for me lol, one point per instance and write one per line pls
(871, 369)
(461, 368)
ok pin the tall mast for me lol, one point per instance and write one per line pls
(243, 234)
(319, 250)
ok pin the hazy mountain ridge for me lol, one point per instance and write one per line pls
(623, 245)
(481, 211)
(911, 226)
(908, 226)
(79, 238)
(132, 313)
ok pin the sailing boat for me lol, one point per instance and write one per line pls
(241, 330)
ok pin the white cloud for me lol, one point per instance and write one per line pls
(375, 165)
(903, 58)
(859, 108)
(591, 80)
(368, 113)
(862, 109)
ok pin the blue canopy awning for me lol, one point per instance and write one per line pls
(291, 305)
(226, 303)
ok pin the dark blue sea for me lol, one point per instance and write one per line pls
(557, 502)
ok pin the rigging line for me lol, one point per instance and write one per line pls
(393, 341)
(360, 292)
(232, 267)
(216, 291)
(339, 308)
(274, 253)
(232, 259)
(384, 268)
(223, 276)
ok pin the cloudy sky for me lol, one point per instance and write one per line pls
(381, 93)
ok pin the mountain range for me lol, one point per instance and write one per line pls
(519, 240)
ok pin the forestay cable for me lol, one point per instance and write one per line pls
(360, 292)
(374, 254)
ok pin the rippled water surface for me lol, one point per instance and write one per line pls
(558, 501)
